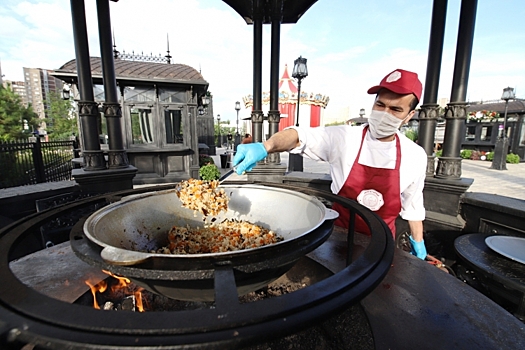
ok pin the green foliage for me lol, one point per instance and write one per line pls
(61, 123)
(411, 134)
(466, 154)
(490, 156)
(204, 160)
(209, 172)
(12, 116)
(513, 158)
(439, 153)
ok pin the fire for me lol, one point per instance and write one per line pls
(123, 286)
(99, 287)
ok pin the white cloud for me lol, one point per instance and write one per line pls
(349, 48)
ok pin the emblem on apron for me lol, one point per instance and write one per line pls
(371, 199)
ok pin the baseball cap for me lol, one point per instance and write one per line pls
(401, 82)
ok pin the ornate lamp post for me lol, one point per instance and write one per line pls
(219, 130)
(237, 108)
(237, 136)
(300, 71)
(499, 162)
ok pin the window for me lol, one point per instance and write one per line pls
(139, 94)
(102, 129)
(172, 96)
(486, 133)
(98, 91)
(522, 134)
(174, 126)
(471, 133)
(141, 126)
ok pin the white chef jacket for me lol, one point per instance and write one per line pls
(339, 146)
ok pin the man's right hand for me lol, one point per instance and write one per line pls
(247, 156)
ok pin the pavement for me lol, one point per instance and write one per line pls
(509, 183)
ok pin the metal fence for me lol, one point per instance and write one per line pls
(29, 162)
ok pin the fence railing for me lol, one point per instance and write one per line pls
(29, 162)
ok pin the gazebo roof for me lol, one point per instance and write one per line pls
(292, 10)
(515, 106)
(137, 71)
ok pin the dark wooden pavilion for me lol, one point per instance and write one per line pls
(161, 127)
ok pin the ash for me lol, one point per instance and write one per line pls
(272, 290)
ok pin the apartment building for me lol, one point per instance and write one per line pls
(38, 85)
(19, 88)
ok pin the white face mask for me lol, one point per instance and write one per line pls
(383, 124)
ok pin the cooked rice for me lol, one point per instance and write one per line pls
(203, 196)
(229, 235)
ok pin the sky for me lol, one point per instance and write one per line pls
(350, 45)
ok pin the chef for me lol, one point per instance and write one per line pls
(373, 164)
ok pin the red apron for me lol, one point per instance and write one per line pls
(372, 183)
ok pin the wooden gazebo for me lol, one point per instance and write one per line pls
(161, 126)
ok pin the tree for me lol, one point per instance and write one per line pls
(16, 120)
(61, 123)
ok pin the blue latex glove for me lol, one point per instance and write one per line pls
(418, 248)
(247, 156)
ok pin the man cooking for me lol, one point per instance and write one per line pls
(373, 164)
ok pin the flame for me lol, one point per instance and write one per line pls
(123, 285)
(99, 287)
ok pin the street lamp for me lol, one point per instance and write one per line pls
(237, 108)
(219, 130)
(237, 136)
(300, 71)
(499, 162)
(362, 112)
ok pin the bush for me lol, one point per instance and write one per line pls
(205, 159)
(411, 134)
(513, 158)
(466, 154)
(476, 155)
(490, 156)
(209, 172)
(439, 153)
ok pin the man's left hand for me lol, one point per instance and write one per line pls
(418, 248)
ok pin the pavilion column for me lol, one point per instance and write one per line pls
(117, 157)
(257, 113)
(87, 107)
(429, 112)
(274, 116)
(449, 165)
(266, 170)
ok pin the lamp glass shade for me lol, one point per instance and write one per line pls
(508, 94)
(362, 112)
(205, 100)
(300, 70)
(237, 106)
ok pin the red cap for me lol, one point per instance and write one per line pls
(401, 82)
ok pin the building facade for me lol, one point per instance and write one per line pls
(39, 84)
